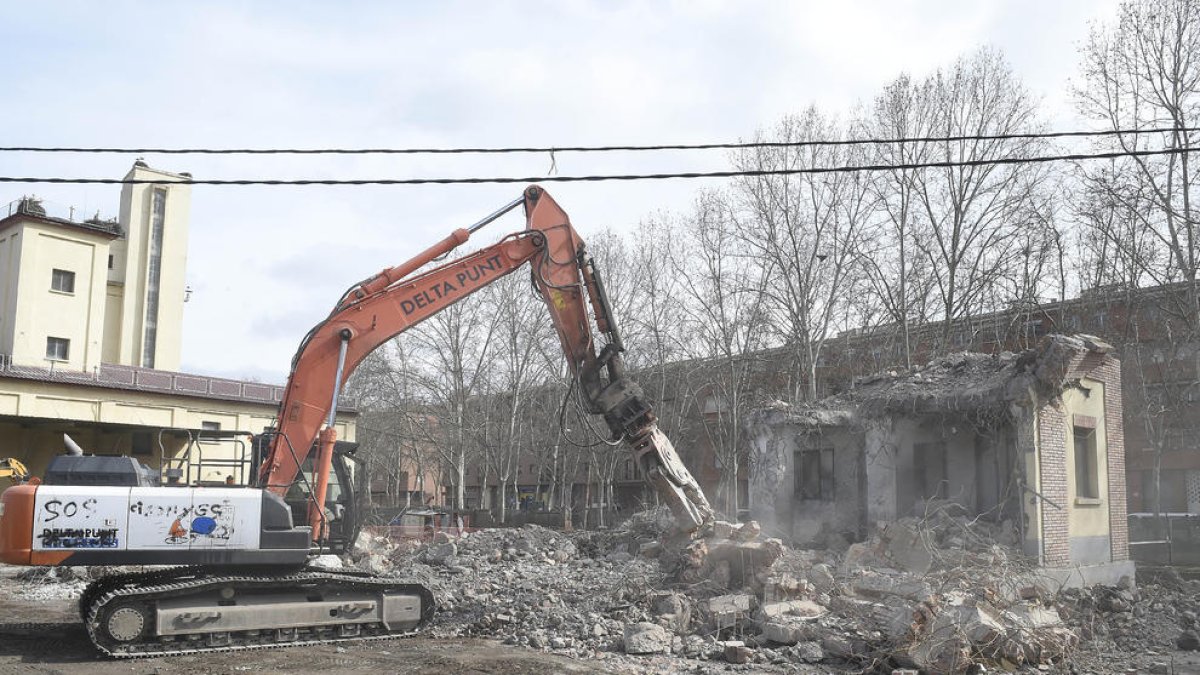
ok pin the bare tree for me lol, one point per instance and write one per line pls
(974, 216)
(803, 230)
(1144, 72)
(1138, 215)
(900, 278)
(725, 303)
(453, 355)
(523, 333)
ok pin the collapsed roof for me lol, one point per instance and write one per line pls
(965, 383)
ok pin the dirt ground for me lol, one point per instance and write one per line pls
(45, 636)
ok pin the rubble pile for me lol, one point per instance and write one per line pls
(940, 594)
(56, 583)
(1151, 620)
(732, 596)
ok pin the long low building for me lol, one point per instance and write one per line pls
(143, 413)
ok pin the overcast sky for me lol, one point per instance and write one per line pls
(265, 263)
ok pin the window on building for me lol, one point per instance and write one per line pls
(62, 281)
(143, 443)
(208, 426)
(814, 474)
(1087, 475)
(110, 261)
(58, 349)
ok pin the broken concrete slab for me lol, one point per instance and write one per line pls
(646, 638)
(789, 631)
(882, 586)
(822, 579)
(802, 609)
(906, 548)
(729, 610)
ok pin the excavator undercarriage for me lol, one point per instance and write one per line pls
(189, 610)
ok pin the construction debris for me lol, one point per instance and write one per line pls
(935, 596)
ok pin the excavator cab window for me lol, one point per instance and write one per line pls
(340, 503)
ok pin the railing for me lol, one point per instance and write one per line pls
(191, 467)
(1165, 538)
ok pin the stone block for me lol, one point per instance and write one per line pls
(738, 654)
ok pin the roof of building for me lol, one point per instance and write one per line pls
(151, 381)
(964, 382)
(28, 209)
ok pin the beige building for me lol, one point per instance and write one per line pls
(91, 319)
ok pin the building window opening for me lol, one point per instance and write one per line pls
(62, 281)
(929, 465)
(110, 261)
(206, 427)
(58, 349)
(814, 474)
(1087, 475)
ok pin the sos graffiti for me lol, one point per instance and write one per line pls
(56, 508)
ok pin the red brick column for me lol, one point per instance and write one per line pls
(1114, 430)
(1052, 463)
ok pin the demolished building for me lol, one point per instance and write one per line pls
(1032, 442)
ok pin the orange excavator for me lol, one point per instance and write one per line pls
(237, 575)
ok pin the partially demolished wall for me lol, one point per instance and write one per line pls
(994, 434)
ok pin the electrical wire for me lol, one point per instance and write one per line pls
(606, 177)
(593, 148)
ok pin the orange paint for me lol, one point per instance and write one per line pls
(49, 557)
(16, 525)
(177, 530)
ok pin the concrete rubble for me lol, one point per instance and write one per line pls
(938, 595)
(933, 596)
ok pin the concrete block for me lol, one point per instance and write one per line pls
(729, 610)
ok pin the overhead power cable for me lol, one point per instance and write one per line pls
(601, 177)
(595, 148)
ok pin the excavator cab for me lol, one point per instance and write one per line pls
(341, 497)
(342, 508)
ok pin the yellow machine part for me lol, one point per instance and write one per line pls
(13, 469)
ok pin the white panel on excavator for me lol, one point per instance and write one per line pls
(173, 517)
(67, 517)
(75, 517)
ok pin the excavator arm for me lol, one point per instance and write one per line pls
(385, 305)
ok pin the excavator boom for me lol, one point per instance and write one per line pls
(385, 305)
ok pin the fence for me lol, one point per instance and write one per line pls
(1165, 538)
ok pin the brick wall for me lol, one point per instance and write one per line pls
(1052, 464)
(1114, 423)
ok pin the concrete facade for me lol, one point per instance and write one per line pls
(112, 290)
(1034, 440)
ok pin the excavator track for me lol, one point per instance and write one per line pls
(188, 611)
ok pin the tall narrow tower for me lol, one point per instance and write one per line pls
(146, 281)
